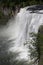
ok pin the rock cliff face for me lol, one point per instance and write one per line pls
(7, 13)
(40, 42)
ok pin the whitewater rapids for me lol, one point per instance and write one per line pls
(19, 30)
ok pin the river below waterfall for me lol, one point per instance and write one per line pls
(18, 38)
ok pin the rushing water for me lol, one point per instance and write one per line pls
(18, 37)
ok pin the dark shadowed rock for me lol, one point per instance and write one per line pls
(35, 8)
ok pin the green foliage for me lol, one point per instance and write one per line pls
(20, 2)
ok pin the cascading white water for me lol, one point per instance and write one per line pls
(19, 30)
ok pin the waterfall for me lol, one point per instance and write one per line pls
(20, 32)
